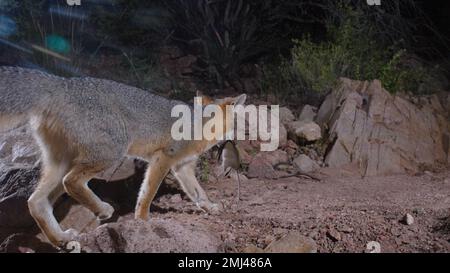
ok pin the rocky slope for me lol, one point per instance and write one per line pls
(384, 134)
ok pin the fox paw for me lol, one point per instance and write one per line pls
(211, 208)
(66, 237)
(106, 211)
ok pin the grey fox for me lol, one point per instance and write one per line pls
(84, 126)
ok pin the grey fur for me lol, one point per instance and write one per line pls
(102, 115)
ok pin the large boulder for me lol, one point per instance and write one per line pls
(308, 113)
(16, 186)
(18, 149)
(382, 133)
(304, 130)
(19, 173)
(263, 164)
(286, 115)
(155, 236)
(305, 164)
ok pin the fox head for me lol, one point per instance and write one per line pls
(219, 116)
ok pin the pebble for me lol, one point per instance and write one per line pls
(334, 235)
(408, 219)
(176, 198)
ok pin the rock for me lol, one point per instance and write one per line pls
(25, 153)
(305, 164)
(306, 130)
(155, 236)
(75, 216)
(16, 186)
(176, 198)
(25, 243)
(334, 235)
(309, 131)
(293, 242)
(262, 165)
(408, 219)
(383, 134)
(252, 249)
(286, 115)
(308, 113)
(18, 149)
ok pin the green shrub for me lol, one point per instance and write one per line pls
(318, 65)
(405, 74)
(352, 50)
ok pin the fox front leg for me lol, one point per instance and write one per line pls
(157, 170)
(185, 174)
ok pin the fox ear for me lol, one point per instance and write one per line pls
(239, 100)
(205, 99)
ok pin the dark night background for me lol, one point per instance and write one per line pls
(175, 47)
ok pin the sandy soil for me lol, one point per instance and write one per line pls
(342, 213)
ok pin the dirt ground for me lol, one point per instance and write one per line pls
(342, 212)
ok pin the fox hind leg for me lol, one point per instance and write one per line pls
(41, 202)
(56, 159)
(76, 185)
